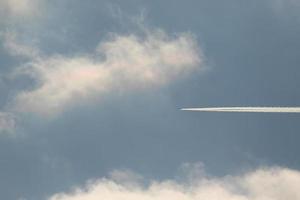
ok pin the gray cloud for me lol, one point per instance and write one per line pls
(7, 122)
(17, 48)
(286, 7)
(20, 8)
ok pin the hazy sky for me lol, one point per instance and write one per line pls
(91, 91)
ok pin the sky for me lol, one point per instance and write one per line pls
(91, 92)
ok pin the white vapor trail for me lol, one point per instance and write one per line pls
(247, 109)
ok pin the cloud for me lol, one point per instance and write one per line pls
(19, 8)
(119, 64)
(15, 47)
(286, 2)
(282, 6)
(263, 184)
(7, 122)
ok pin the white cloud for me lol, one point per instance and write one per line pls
(7, 122)
(119, 64)
(262, 184)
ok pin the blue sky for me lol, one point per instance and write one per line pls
(91, 92)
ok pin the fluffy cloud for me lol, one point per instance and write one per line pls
(119, 64)
(262, 184)
(7, 122)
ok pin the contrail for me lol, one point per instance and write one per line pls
(247, 109)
